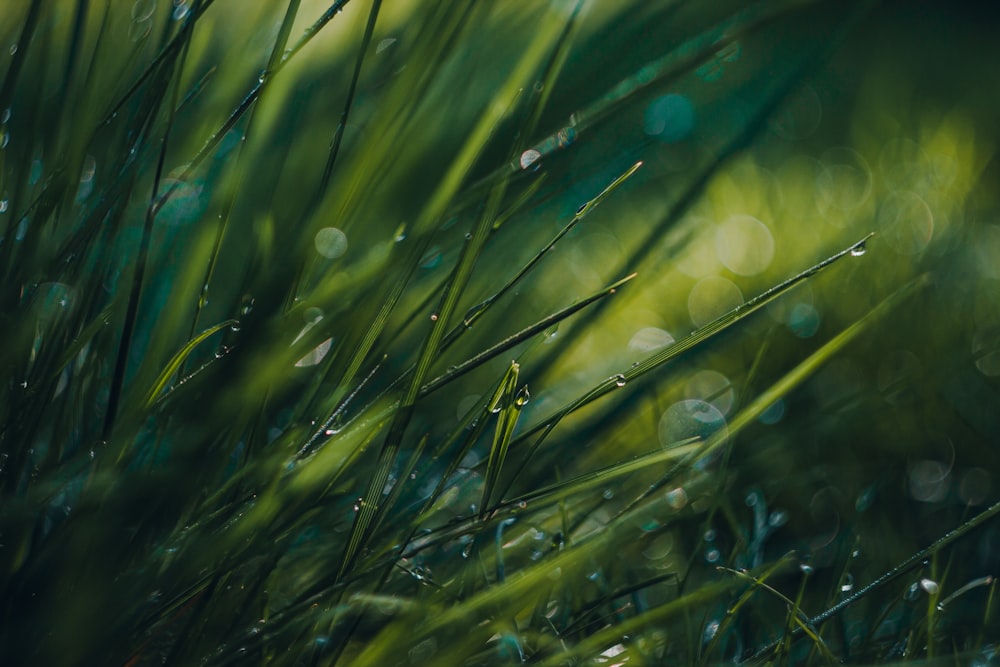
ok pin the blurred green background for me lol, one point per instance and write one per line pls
(202, 513)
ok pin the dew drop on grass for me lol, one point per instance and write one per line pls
(529, 157)
(523, 397)
(859, 250)
(806, 569)
(713, 556)
(930, 586)
(620, 380)
(3, 205)
(608, 494)
(710, 630)
(848, 584)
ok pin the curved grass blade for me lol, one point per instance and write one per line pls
(178, 360)
(508, 408)
(797, 616)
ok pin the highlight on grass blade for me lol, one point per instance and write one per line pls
(179, 358)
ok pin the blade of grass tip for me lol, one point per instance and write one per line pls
(508, 410)
(773, 99)
(914, 561)
(689, 451)
(432, 212)
(697, 337)
(755, 582)
(796, 616)
(471, 428)
(521, 336)
(178, 360)
(479, 309)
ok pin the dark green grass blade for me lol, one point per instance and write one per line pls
(435, 208)
(911, 563)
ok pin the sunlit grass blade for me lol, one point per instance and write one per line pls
(179, 358)
(507, 407)
(694, 339)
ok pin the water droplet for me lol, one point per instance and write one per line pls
(3, 205)
(619, 380)
(713, 556)
(4, 138)
(930, 586)
(709, 535)
(434, 317)
(859, 250)
(677, 498)
(246, 305)
(608, 494)
(529, 157)
(180, 11)
(234, 327)
(710, 630)
(358, 504)
(848, 585)
(806, 569)
(522, 398)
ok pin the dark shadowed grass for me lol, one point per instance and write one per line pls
(340, 333)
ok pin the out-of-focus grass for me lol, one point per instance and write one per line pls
(483, 333)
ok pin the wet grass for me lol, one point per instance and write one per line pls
(277, 279)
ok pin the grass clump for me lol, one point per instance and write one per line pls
(415, 333)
